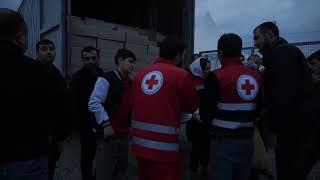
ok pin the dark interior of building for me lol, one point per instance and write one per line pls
(165, 16)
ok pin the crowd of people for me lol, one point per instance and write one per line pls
(276, 95)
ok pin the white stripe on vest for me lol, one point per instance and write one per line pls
(231, 124)
(157, 128)
(155, 144)
(236, 106)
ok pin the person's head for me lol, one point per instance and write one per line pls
(13, 28)
(314, 63)
(200, 67)
(46, 51)
(90, 55)
(195, 56)
(242, 58)
(229, 46)
(205, 66)
(125, 61)
(171, 48)
(255, 58)
(265, 35)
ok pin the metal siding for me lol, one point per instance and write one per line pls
(53, 28)
(30, 10)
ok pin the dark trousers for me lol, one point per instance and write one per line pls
(200, 146)
(295, 157)
(54, 155)
(88, 152)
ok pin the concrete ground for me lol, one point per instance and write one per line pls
(68, 167)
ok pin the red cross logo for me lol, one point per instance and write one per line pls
(248, 87)
(151, 82)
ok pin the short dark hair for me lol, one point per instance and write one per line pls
(315, 55)
(44, 42)
(170, 47)
(123, 54)
(203, 63)
(11, 24)
(89, 49)
(268, 26)
(195, 56)
(230, 44)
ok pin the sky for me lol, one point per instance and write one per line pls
(298, 21)
(11, 4)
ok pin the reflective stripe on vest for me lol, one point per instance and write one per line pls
(157, 128)
(236, 106)
(155, 144)
(231, 124)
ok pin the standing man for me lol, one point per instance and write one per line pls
(287, 86)
(232, 95)
(161, 92)
(81, 86)
(31, 105)
(46, 54)
(109, 103)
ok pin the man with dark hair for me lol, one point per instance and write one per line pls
(46, 51)
(232, 95)
(287, 88)
(46, 54)
(161, 93)
(31, 110)
(109, 103)
(82, 85)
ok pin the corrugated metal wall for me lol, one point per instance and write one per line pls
(30, 10)
(52, 26)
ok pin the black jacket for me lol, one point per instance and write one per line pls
(287, 88)
(82, 85)
(31, 106)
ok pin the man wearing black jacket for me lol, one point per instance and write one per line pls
(46, 54)
(31, 107)
(82, 85)
(287, 87)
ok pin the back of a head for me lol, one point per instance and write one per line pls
(230, 45)
(11, 24)
(170, 47)
(314, 56)
(268, 26)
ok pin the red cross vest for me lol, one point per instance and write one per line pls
(161, 93)
(238, 88)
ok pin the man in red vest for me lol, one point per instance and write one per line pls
(161, 93)
(232, 94)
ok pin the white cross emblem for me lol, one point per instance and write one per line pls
(247, 87)
(152, 82)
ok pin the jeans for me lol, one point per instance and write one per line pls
(231, 159)
(112, 158)
(35, 169)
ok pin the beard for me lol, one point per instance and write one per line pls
(266, 46)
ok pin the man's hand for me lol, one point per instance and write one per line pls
(108, 132)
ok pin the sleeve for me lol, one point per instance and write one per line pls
(96, 102)
(210, 99)
(284, 79)
(189, 96)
